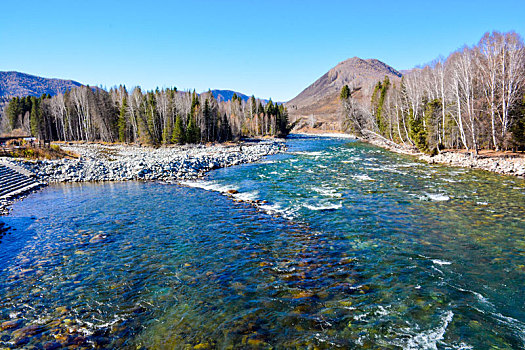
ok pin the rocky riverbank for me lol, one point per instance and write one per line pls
(505, 164)
(99, 162)
(501, 163)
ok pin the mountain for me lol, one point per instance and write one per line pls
(226, 95)
(21, 84)
(319, 102)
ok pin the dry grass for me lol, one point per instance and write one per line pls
(32, 152)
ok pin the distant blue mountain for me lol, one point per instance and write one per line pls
(227, 95)
(21, 84)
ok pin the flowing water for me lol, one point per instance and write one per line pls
(349, 246)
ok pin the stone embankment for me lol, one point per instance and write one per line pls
(15, 182)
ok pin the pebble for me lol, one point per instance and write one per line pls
(501, 165)
(130, 162)
(10, 324)
(507, 166)
(52, 345)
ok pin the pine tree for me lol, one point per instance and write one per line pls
(34, 118)
(152, 118)
(345, 93)
(207, 120)
(193, 133)
(253, 104)
(14, 109)
(418, 132)
(178, 135)
(122, 122)
(225, 133)
(518, 129)
(283, 129)
(269, 108)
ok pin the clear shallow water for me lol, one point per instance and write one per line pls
(367, 249)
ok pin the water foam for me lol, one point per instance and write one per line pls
(210, 186)
(438, 197)
(328, 206)
(441, 262)
(427, 339)
(327, 192)
(362, 177)
(246, 196)
(305, 153)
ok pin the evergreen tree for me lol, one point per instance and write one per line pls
(206, 114)
(14, 109)
(518, 129)
(345, 93)
(283, 128)
(225, 133)
(432, 118)
(378, 101)
(193, 133)
(418, 132)
(34, 118)
(178, 135)
(270, 108)
(122, 122)
(152, 118)
(253, 104)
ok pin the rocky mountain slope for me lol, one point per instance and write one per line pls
(318, 104)
(21, 84)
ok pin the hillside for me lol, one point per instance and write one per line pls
(226, 95)
(21, 84)
(319, 102)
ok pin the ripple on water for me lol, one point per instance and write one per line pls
(362, 264)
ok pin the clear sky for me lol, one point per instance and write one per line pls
(266, 48)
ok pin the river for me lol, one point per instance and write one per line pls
(350, 246)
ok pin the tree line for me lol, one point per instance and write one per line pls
(166, 116)
(474, 99)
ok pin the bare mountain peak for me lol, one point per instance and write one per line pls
(359, 64)
(320, 98)
(355, 70)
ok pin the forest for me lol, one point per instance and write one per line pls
(159, 117)
(473, 99)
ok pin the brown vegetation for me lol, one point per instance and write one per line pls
(23, 149)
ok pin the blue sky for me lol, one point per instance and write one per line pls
(266, 48)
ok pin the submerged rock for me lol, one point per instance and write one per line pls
(98, 238)
(10, 324)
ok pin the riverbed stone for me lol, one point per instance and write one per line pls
(11, 324)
